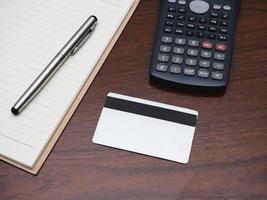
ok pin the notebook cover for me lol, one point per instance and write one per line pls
(40, 161)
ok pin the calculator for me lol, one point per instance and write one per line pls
(194, 43)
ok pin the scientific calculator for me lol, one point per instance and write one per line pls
(194, 43)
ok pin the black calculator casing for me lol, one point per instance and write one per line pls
(194, 81)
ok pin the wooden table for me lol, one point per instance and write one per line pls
(229, 154)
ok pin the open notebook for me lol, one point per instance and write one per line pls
(31, 33)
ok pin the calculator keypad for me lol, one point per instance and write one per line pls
(194, 45)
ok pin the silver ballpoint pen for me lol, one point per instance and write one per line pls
(70, 48)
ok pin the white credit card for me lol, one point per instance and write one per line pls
(146, 127)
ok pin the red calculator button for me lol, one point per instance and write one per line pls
(220, 47)
(207, 45)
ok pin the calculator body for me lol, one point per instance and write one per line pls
(194, 43)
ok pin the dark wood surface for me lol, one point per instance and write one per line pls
(229, 153)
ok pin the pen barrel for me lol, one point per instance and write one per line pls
(38, 83)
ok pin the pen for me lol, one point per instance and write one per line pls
(70, 48)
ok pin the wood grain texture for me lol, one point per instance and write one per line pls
(229, 154)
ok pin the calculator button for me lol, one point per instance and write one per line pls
(217, 7)
(163, 58)
(224, 23)
(193, 43)
(179, 31)
(192, 52)
(180, 41)
(191, 26)
(191, 62)
(180, 24)
(182, 2)
(165, 49)
(169, 23)
(200, 34)
(172, 1)
(223, 31)
(212, 29)
(182, 10)
(214, 15)
(199, 6)
(170, 16)
(189, 33)
(220, 47)
(166, 39)
(207, 45)
(204, 63)
(224, 16)
(191, 19)
(201, 27)
(227, 8)
(202, 20)
(211, 36)
(161, 67)
(217, 75)
(172, 9)
(222, 37)
(218, 66)
(175, 69)
(219, 56)
(178, 50)
(213, 22)
(189, 71)
(206, 54)
(167, 30)
(181, 17)
(203, 73)
(177, 60)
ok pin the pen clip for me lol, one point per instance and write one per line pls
(83, 41)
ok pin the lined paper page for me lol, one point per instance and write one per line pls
(31, 33)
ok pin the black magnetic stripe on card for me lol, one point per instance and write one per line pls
(151, 111)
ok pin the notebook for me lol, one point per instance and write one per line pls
(31, 33)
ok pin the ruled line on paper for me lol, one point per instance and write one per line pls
(17, 141)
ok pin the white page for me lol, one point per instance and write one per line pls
(31, 33)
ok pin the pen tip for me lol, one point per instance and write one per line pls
(94, 17)
(14, 111)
